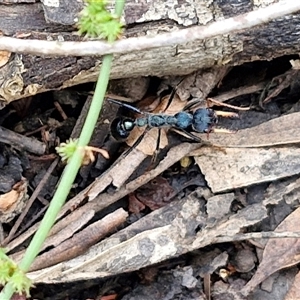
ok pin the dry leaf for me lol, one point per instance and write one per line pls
(294, 292)
(278, 253)
(148, 145)
(238, 167)
(12, 203)
(4, 57)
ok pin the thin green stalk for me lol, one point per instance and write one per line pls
(71, 169)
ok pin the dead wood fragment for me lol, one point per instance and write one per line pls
(276, 132)
(21, 142)
(144, 20)
(82, 241)
(288, 192)
(248, 20)
(155, 219)
(59, 237)
(239, 167)
(259, 235)
(283, 81)
(244, 90)
(230, 227)
(154, 245)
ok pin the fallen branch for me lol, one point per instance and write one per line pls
(90, 48)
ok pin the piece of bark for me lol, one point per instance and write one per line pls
(82, 241)
(44, 73)
(21, 142)
(243, 167)
(276, 132)
(56, 238)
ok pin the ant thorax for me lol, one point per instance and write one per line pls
(184, 119)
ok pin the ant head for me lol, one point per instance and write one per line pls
(204, 120)
(120, 128)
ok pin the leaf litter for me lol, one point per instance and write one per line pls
(257, 155)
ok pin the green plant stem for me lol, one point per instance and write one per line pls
(71, 169)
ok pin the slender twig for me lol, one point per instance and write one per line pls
(258, 235)
(182, 36)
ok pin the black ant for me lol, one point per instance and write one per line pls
(202, 120)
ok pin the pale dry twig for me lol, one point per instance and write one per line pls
(90, 48)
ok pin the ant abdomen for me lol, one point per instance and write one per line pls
(120, 128)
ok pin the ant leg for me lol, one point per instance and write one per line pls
(136, 143)
(126, 105)
(127, 151)
(216, 102)
(226, 114)
(173, 94)
(187, 134)
(154, 156)
(119, 98)
(193, 104)
(222, 130)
